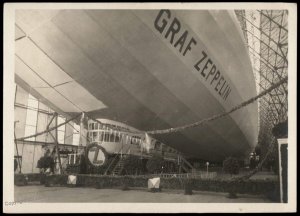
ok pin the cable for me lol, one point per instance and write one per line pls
(177, 129)
(251, 100)
(48, 130)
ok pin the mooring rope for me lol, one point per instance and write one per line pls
(48, 130)
(177, 129)
(203, 121)
(251, 100)
(257, 168)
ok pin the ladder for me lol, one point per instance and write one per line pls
(120, 166)
(118, 161)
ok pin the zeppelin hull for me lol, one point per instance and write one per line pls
(149, 69)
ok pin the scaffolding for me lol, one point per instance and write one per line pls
(266, 36)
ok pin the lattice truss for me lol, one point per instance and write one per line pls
(266, 36)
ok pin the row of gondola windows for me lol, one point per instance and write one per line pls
(111, 137)
(96, 126)
(104, 136)
(134, 140)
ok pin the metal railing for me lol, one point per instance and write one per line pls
(202, 175)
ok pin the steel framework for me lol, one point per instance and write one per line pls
(266, 36)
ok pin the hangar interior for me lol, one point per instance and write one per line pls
(266, 37)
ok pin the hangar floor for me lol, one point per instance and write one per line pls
(41, 194)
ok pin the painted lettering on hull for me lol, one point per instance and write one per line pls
(172, 30)
(210, 73)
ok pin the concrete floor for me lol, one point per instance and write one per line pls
(42, 194)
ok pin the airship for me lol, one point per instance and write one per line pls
(149, 69)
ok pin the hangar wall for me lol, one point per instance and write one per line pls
(31, 116)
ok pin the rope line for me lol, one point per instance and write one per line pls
(171, 130)
(251, 100)
(257, 168)
(48, 130)
(177, 129)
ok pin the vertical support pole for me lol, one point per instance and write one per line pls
(16, 90)
(207, 164)
(48, 126)
(55, 140)
(82, 140)
(20, 171)
(206, 170)
(180, 163)
(122, 150)
(36, 130)
(122, 144)
(80, 130)
(57, 148)
(69, 158)
(280, 173)
(142, 149)
(33, 157)
(283, 169)
(82, 136)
